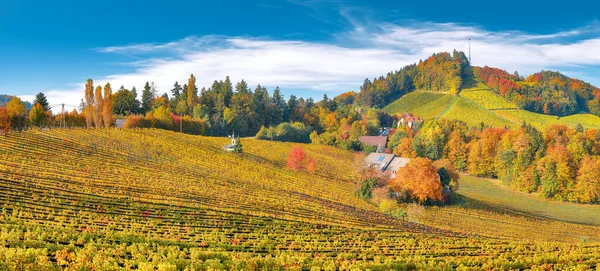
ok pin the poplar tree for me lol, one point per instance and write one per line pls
(98, 102)
(107, 105)
(191, 87)
(89, 102)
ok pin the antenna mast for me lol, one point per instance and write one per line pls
(469, 51)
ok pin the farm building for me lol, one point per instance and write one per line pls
(377, 141)
(379, 160)
(386, 162)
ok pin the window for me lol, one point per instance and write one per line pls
(380, 158)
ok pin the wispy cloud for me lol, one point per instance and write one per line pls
(370, 49)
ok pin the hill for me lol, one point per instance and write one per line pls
(6, 98)
(480, 104)
(148, 198)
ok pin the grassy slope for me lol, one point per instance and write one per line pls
(493, 210)
(479, 104)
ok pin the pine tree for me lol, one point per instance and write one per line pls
(147, 98)
(40, 98)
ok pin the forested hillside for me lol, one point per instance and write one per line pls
(545, 92)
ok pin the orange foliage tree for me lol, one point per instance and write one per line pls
(420, 179)
(297, 160)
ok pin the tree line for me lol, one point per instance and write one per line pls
(559, 163)
(545, 92)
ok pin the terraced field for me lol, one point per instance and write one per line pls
(151, 199)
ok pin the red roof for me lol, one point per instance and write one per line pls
(373, 140)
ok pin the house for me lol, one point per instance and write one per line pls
(377, 141)
(396, 164)
(408, 120)
(384, 131)
(231, 147)
(379, 161)
(386, 162)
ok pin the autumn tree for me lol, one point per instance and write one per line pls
(4, 121)
(311, 165)
(17, 113)
(429, 142)
(587, 187)
(296, 156)
(191, 87)
(456, 150)
(107, 105)
(419, 179)
(483, 151)
(98, 103)
(89, 103)
(37, 115)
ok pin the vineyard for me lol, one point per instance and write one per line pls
(479, 104)
(110, 199)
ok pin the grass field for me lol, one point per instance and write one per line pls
(493, 210)
(113, 199)
(478, 105)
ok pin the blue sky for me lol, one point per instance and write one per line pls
(306, 47)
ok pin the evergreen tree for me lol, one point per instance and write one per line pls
(227, 91)
(147, 98)
(136, 103)
(40, 98)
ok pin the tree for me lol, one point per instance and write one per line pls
(123, 102)
(4, 121)
(147, 98)
(420, 180)
(17, 113)
(37, 115)
(238, 146)
(107, 105)
(40, 98)
(191, 87)
(456, 150)
(89, 103)
(176, 95)
(587, 187)
(98, 104)
(296, 158)
(311, 165)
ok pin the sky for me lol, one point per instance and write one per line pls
(307, 48)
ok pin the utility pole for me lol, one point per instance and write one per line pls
(62, 114)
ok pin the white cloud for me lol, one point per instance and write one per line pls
(367, 51)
